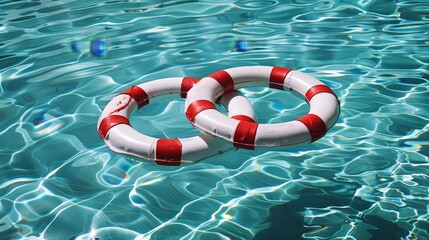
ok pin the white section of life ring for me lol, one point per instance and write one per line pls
(324, 107)
(119, 136)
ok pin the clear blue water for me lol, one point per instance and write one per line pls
(368, 178)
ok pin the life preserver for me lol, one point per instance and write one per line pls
(115, 129)
(324, 107)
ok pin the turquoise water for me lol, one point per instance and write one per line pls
(368, 178)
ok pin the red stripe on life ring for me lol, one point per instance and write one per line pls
(187, 84)
(316, 90)
(315, 126)
(277, 77)
(224, 79)
(138, 94)
(168, 152)
(243, 118)
(197, 107)
(244, 136)
(110, 121)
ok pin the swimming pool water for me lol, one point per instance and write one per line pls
(368, 178)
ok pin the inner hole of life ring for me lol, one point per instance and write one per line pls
(164, 117)
(274, 105)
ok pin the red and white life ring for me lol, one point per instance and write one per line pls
(115, 129)
(324, 107)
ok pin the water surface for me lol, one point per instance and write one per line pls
(368, 178)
